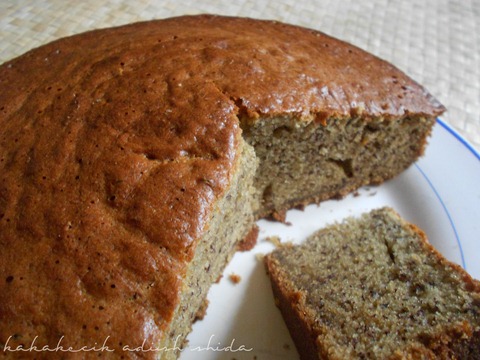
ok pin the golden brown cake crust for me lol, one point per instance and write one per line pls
(116, 143)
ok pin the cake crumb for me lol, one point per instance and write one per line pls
(279, 216)
(286, 346)
(275, 240)
(235, 278)
(356, 194)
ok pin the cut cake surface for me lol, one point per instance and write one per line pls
(375, 288)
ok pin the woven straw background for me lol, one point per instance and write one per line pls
(436, 42)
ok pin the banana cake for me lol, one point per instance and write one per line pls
(375, 288)
(134, 159)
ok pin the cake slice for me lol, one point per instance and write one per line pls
(375, 288)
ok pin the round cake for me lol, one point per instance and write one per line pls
(128, 155)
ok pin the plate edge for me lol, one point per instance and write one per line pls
(459, 137)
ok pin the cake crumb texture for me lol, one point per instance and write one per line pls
(375, 288)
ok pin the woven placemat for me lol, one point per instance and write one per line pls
(436, 42)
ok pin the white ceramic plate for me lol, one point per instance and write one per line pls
(440, 194)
